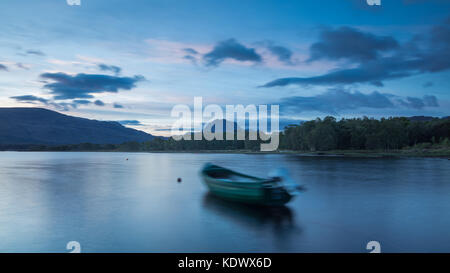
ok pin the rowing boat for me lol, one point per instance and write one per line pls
(234, 186)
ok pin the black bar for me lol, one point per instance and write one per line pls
(227, 262)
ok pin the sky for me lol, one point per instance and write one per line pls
(132, 61)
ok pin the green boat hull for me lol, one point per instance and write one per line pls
(237, 187)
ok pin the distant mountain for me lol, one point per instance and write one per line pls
(42, 126)
(211, 126)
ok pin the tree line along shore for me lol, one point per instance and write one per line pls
(327, 136)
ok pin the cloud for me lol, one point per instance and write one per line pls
(191, 55)
(65, 86)
(411, 102)
(35, 52)
(283, 54)
(370, 72)
(23, 66)
(64, 106)
(352, 44)
(230, 49)
(3, 67)
(428, 84)
(335, 100)
(164, 129)
(115, 69)
(190, 51)
(417, 103)
(430, 101)
(99, 103)
(30, 99)
(190, 58)
(429, 53)
(83, 102)
(130, 122)
(116, 105)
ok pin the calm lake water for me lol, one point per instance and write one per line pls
(110, 204)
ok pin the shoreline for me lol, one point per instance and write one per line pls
(423, 153)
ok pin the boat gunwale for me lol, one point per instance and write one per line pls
(256, 180)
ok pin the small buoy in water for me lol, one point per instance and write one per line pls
(179, 179)
(127, 158)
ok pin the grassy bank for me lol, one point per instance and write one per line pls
(441, 152)
(420, 150)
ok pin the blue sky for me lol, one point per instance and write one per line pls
(134, 60)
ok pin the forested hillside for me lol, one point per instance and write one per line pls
(364, 134)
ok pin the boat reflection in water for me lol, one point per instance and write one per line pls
(279, 219)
